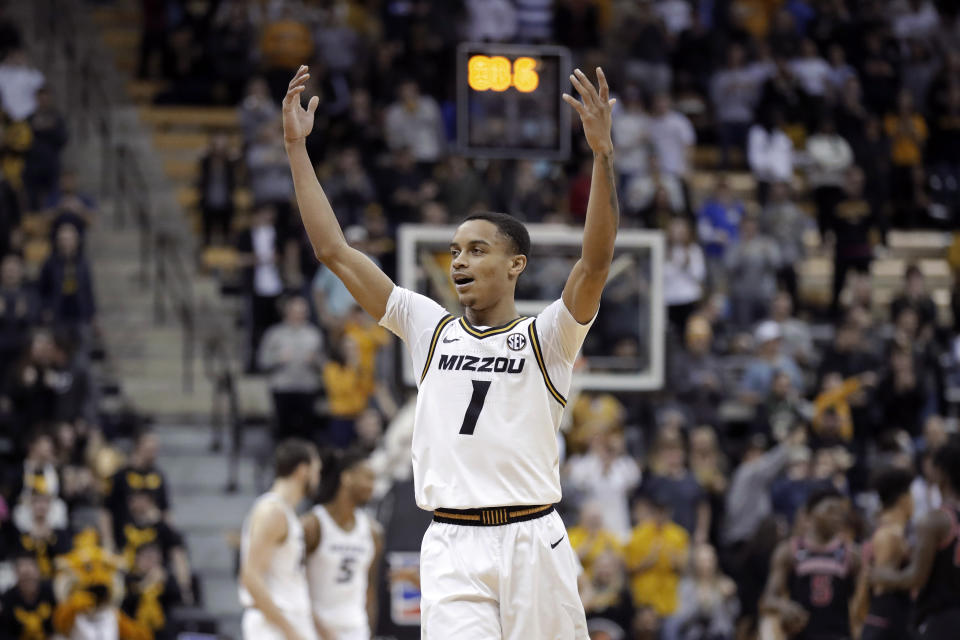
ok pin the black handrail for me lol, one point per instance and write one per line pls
(122, 179)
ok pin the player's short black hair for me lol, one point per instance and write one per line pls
(335, 462)
(509, 226)
(820, 494)
(947, 460)
(890, 484)
(290, 454)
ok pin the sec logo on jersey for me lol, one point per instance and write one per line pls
(516, 341)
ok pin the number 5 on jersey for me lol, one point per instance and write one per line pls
(480, 388)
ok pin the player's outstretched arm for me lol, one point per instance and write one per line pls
(582, 292)
(368, 285)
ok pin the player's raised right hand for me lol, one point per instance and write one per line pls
(297, 121)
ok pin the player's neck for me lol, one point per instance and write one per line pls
(341, 509)
(289, 490)
(502, 312)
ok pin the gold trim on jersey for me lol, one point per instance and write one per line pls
(535, 342)
(444, 321)
(477, 333)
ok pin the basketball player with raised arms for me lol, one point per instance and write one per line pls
(934, 567)
(495, 562)
(273, 581)
(344, 546)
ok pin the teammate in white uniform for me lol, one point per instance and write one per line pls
(273, 582)
(496, 562)
(344, 545)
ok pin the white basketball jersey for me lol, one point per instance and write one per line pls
(286, 578)
(489, 404)
(337, 571)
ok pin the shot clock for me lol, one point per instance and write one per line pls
(508, 101)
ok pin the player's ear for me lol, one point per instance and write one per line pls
(517, 264)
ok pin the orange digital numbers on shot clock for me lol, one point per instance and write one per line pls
(497, 73)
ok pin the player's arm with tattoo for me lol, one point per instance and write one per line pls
(368, 285)
(582, 292)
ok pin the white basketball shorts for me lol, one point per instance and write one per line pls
(255, 627)
(514, 581)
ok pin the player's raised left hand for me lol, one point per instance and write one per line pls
(594, 108)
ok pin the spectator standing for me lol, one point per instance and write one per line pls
(630, 135)
(748, 500)
(291, 353)
(42, 163)
(270, 179)
(414, 121)
(797, 337)
(752, 266)
(648, 63)
(830, 156)
(684, 273)
(907, 130)
(671, 483)
(787, 224)
(19, 310)
(605, 476)
(696, 374)
(769, 152)
(262, 247)
(811, 70)
(672, 136)
(656, 556)
(350, 188)
(256, 109)
(718, 227)
(219, 171)
(734, 90)
(855, 227)
(66, 288)
(20, 82)
(349, 387)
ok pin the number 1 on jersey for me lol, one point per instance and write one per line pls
(480, 388)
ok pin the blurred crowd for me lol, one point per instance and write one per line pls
(74, 483)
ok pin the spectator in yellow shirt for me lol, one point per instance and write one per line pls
(590, 539)
(656, 556)
(349, 388)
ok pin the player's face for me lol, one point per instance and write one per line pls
(484, 267)
(360, 479)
